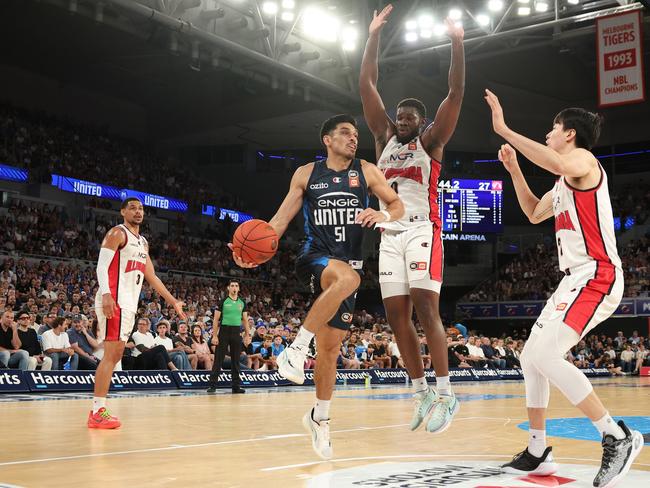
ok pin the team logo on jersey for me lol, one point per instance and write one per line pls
(337, 179)
(413, 146)
(561, 306)
(563, 221)
(353, 178)
(412, 173)
(418, 265)
(400, 157)
(346, 317)
(133, 265)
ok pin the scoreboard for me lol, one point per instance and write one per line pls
(470, 206)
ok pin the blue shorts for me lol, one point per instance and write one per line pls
(309, 268)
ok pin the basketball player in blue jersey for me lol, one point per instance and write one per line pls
(409, 153)
(333, 195)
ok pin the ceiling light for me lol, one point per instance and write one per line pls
(483, 20)
(425, 34)
(349, 46)
(318, 24)
(523, 11)
(541, 6)
(455, 14)
(523, 1)
(439, 29)
(349, 34)
(288, 4)
(495, 5)
(270, 8)
(411, 25)
(425, 21)
(287, 16)
(411, 36)
(574, 2)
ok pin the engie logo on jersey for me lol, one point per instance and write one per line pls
(353, 179)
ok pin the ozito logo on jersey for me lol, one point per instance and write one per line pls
(132, 265)
(353, 179)
(418, 265)
(319, 186)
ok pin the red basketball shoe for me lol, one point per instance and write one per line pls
(102, 420)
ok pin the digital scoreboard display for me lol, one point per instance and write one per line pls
(470, 206)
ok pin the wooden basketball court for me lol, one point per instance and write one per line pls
(185, 439)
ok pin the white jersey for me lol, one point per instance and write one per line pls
(413, 174)
(126, 272)
(584, 225)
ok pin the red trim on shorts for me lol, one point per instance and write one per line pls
(435, 259)
(434, 173)
(584, 307)
(114, 325)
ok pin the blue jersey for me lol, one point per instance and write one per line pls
(332, 201)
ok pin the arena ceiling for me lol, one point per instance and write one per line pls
(231, 71)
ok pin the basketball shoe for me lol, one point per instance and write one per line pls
(320, 435)
(424, 401)
(444, 410)
(291, 364)
(618, 456)
(526, 463)
(102, 420)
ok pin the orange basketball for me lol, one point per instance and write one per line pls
(255, 241)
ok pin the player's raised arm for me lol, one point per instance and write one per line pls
(537, 210)
(380, 124)
(437, 135)
(293, 201)
(577, 163)
(115, 239)
(378, 185)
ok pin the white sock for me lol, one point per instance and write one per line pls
(322, 410)
(420, 384)
(303, 338)
(607, 425)
(443, 385)
(536, 442)
(98, 402)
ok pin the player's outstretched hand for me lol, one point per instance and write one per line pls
(239, 261)
(178, 306)
(370, 217)
(508, 157)
(455, 30)
(379, 20)
(498, 121)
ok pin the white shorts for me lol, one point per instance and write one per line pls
(586, 297)
(118, 328)
(411, 258)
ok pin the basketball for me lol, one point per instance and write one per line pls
(255, 241)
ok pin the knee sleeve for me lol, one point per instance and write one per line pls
(537, 388)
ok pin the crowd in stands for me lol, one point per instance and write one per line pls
(632, 200)
(535, 275)
(47, 145)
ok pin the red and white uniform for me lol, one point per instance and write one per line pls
(584, 231)
(411, 252)
(125, 277)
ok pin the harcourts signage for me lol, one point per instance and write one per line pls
(12, 380)
(60, 380)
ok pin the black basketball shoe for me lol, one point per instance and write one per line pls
(526, 463)
(618, 456)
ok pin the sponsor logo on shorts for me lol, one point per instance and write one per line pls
(346, 317)
(385, 273)
(561, 306)
(418, 265)
(319, 186)
(353, 179)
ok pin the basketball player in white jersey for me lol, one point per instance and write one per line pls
(588, 294)
(411, 256)
(122, 266)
